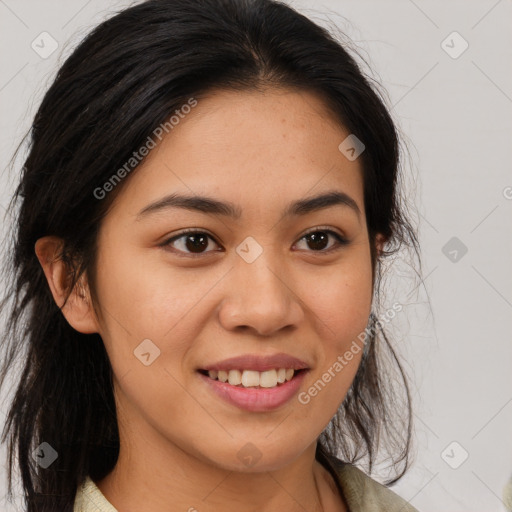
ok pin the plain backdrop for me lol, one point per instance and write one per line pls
(446, 68)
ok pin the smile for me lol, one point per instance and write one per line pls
(254, 391)
(252, 378)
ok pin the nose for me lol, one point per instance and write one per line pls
(261, 297)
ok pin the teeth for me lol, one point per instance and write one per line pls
(235, 377)
(268, 379)
(252, 378)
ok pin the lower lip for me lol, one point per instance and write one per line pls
(256, 399)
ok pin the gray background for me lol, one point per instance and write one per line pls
(456, 115)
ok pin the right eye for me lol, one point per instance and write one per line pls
(192, 241)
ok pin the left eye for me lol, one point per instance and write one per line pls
(319, 238)
(196, 241)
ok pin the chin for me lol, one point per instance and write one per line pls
(255, 458)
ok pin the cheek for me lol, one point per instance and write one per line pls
(149, 309)
(350, 317)
(341, 305)
(146, 296)
(341, 300)
(341, 310)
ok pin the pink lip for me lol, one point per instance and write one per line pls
(258, 363)
(255, 399)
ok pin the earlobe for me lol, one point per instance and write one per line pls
(380, 240)
(77, 309)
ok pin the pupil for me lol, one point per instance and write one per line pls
(198, 242)
(319, 240)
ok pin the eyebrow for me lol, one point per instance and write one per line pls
(213, 206)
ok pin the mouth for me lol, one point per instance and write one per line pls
(255, 382)
(253, 379)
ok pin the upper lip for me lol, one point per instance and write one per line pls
(258, 363)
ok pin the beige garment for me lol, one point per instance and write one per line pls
(362, 494)
(90, 499)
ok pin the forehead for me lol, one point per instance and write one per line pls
(249, 147)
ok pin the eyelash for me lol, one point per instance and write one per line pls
(341, 241)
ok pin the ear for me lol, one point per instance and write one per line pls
(78, 309)
(380, 240)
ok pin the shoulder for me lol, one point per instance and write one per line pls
(364, 494)
(90, 499)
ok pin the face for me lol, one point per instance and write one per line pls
(273, 285)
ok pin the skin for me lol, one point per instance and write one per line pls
(179, 441)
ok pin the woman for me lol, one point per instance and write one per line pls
(210, 190)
